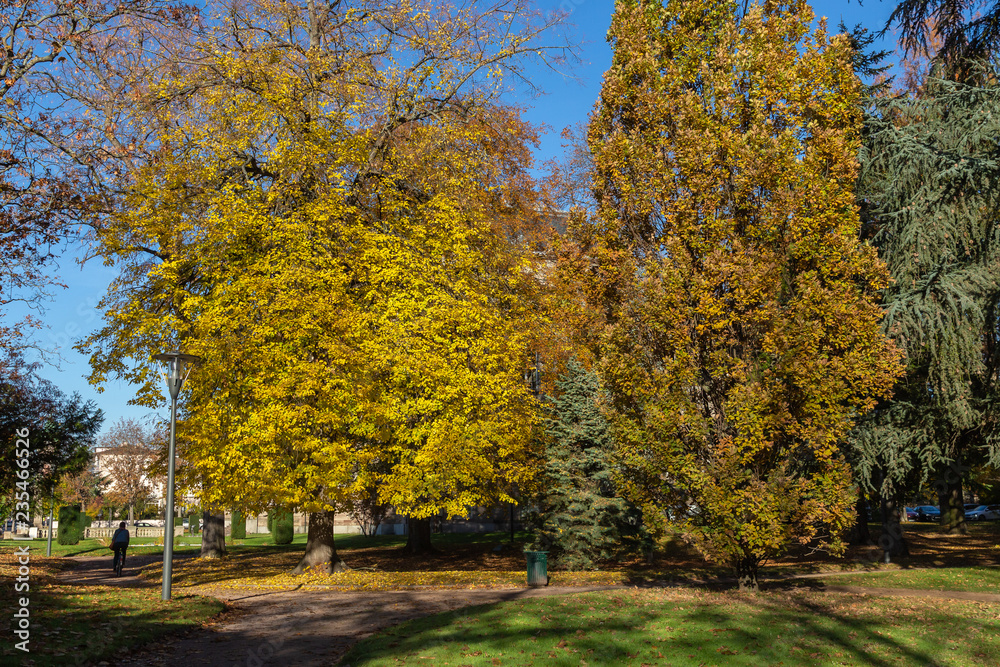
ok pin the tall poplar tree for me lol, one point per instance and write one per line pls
(740, 331)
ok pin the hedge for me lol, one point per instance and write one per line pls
(239, 526)
(72, 523)
(281, 526)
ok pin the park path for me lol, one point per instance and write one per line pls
(308, 628)
(316, 628)
(287, 628)
(96, 570)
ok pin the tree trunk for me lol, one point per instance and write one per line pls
(321, 553)
(950, 498)
(131, 516)
(746, 572)
(891, 540)
(860, 535)
(213, 536)
(418, 539)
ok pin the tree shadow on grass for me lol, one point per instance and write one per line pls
(73, 625)
(731, 630)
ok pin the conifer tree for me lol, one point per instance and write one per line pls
(581, 519)
(931, 179)
(969, 31)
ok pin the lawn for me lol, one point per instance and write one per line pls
(253, 543)
(488, 560)
(973, 579)
(695, 627)
(73, 625)
(97, 547)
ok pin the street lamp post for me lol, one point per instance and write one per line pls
(52, 504)
(177, 366)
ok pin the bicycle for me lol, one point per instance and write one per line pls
(119, 563)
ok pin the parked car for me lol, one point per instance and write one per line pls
(995, 509)
(144, 524)
(980, 513)
(928, 513)
(912, 514)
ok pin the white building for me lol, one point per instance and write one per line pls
(104, 463)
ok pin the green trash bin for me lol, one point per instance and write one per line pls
(538, 567)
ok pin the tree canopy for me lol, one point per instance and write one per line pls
(61, 433)
(740, 331)
(334, 222)
(931, 181)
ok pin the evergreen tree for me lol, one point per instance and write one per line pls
(869, 466)
(581, 520)
(72, 523)
(931, 179)
(968, 30)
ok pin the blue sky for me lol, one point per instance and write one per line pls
(569, 99)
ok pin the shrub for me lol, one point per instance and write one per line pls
(239, 526)
(193, 519)
(72, 523)
(281, 526)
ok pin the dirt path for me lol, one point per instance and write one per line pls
(96, 570)
(315, 628)
(309, 628)
(305, 629)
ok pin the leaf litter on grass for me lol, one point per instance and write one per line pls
(693, 627)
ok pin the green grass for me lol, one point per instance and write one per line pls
(263, 543)
(691, 627)
(86, 548)
(972, 579)
(72, 625)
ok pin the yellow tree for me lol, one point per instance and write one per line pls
(327, 221)
(739, 332)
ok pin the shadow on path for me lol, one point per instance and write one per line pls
(312, 628)
(309, 628)
(96, 570)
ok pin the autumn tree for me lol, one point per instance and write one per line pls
(740, 321)
(128, 450)
(330, 221)
(85, 488)
(56, 148)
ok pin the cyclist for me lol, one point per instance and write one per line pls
(119, 543)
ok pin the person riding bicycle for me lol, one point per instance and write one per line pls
(119, 542)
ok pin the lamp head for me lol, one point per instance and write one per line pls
(175, 369)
